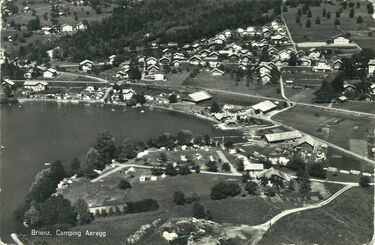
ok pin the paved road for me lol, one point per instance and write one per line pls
(258, 97)
(290, 36)
(225, 159)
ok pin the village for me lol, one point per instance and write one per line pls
(284, 117)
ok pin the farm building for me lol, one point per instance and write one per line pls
(199, 96)
(264, 107)
(216, 72)
(284, 136)
(50, 73)
(35, 85)
(273, 173)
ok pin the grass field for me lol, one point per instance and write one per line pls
(347, 220)
(327, 29)
(226, 83)
(363, 106)
(340, 160)
(341, 127)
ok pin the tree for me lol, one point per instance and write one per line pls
(198, 211)
(75, 166)
(225, 167)
(324, 13)
(57, 171)
(299, 13)
(337, 22)
(351, 13)
(163, 157)
(293, 59)
(308, 23)
(215, 107)
(184, 137)
(240, 165)
(224, 190)
(212, 166)
(296, 163)
(298, 19)
(285, 9)
(309, 13)
(317, 20)
(303, 180)
(251, 187)
(338, 14)
(179, 198)
(184, 170)
(127, 150)
(170, 170)
(172, 98)
(124, 184)
(316, 170)
(83, 212)
(106, 147)
(275, 75)
(364, 181)
(33, 25)
(359, 19)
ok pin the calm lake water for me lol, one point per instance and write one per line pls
(36, 133)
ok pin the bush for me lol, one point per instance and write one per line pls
(224, 190)
(198, 211)
(145, 205)
(364, 181)
(212, 166)
(179, 198)
(251, 187)
(226, 167)
(124, 184)
(316, 170)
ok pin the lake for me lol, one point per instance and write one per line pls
(36, 133)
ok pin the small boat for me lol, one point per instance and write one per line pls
(47, 164)
(142, 111)
(124, 110)
(113, 109)
(2, 147)
(19, 106)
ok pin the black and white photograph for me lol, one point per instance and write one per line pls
(187, 122)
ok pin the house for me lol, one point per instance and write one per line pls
(112, 59)
(284, 136)
(284, 55)
(176, 63)
(341, 41)
(205, 53)
(250, 31)
(264, 68)
(233, 57)
(216, 72)
(81, 26)
(172, 44)
(264, 107)
(273, 173)
(156, 77)
(50, 73)
(337, 64)
(195, 60)
(322, 67)
(35, 85)
(86, 65)
(265, 78)
(178, 56)
(196, 46)
(9, 82)
(306, 143)
(151, 61)
(167, 52)
(342, 99)
(227, 33)
(66, 28)
(212, 56)
(349, 87)
(371, 67)
(242, 67)
(152, 69)
(127, 94)
(199, 96)
(164, 60)
(122, 74)
(240, 31)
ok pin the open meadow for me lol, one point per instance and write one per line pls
(327, 29)
(348, 220)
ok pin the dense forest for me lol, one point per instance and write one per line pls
(133, 26)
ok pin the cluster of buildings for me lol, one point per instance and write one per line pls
(64, 28)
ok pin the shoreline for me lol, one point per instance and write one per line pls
(150, 106)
